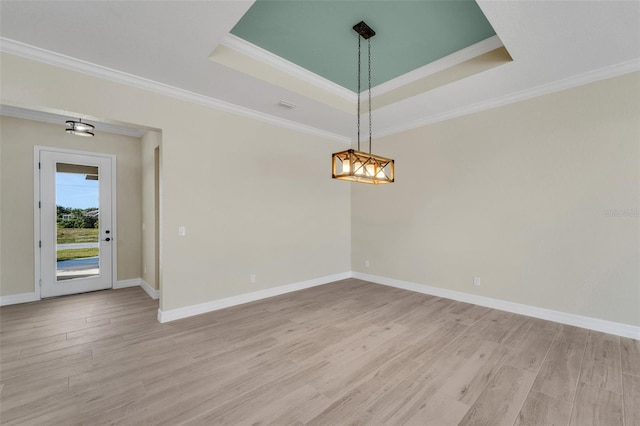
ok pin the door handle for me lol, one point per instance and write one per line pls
(107, 239)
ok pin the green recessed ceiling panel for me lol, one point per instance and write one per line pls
(318, 36)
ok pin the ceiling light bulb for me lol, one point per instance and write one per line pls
(83, 127)
(346, 166)
(79, 133)
(371, 170)
(358, 168)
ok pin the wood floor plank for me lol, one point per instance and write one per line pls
(356, 345)
(188, 384)
(347, 375)
(630, 356)
(299, 406)
(19, 393)
(631, 397)
(601, 364)
(261, 397)
(596, 406)
(407, 397)
(197, 400)
(468, 382)
(560, 371)
(86, 342)
(501, 401)
(434, 340)
(503, 327)
(433, 409)
(350, 407)
(540, 409)
(11, 372)
(82, 408)
(348, 352)
(533, 351)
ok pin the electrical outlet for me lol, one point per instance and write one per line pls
(182, 231)
(476, 281)
(366, 263)
(252, 278)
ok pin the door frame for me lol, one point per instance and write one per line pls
(37, 231)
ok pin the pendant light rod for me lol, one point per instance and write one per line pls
(369, 42)
(366, 32)
(359, 39)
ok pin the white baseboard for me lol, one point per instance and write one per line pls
(619, 329)
(135, 282)
(214, 305)
(18, 298)
(153, 293)
(31, 297)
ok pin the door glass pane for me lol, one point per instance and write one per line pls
(77, 208)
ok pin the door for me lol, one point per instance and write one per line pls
(76, 234)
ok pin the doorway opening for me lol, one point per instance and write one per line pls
(76, 238)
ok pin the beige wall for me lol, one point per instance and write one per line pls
(540, 199)
(254, 198)
(150, 141)
(17, 140)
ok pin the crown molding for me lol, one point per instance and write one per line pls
(545, 89)
(46, 117)
(63, 61)
(259, 54)
(441, 64)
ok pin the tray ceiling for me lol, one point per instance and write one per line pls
(318, 35)
(165, 47)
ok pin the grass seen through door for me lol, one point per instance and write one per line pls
(68, 254)
(77, 235)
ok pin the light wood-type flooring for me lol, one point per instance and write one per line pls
(349, 352)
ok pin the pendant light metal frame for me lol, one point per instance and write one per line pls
(79, 128)
(355, 165)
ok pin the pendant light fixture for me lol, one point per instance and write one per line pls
(355, 165)
(79, 128)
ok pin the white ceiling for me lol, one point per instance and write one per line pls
(554, 44)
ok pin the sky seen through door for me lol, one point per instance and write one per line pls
(75, 191)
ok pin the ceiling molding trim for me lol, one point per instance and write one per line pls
(545, 89)
(259, 54)
(45, 117)
(63, 61)
(441, 64)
